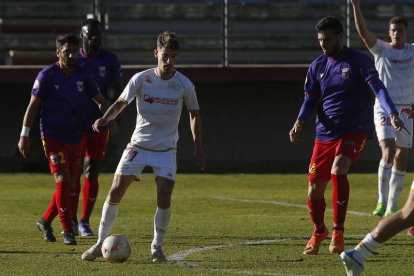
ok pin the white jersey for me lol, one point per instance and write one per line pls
(159, 104)
(396, 70)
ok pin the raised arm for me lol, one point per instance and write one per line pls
(195, 123)
(29, 117)
(369, 38)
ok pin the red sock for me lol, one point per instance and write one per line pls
(90, 193)
(51, 211)
(317, 212)
(74, 197)
(63, 204)
(340, 197)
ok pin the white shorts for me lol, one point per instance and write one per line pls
(134, 160)
(385, 130)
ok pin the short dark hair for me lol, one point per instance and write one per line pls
(91, 21)
(67, 38)
(329, 23)
(399, 20)
(168, 39)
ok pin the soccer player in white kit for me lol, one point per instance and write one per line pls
(395, 63)
(160, 93)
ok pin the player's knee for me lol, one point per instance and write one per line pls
(164, 202)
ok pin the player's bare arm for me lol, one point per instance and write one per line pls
(195, 123)
(29, 117)
(398, 123)
(110, 114)
(369, 38)
(294, 132)
(101, 102)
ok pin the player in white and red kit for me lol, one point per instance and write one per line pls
(105, 68)
(337, 84)
(58, 92)
(395, 64)
(160, 94)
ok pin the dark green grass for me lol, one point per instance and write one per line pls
(199, 220)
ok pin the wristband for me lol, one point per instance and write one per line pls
(25, 131)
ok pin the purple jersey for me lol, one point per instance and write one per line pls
(62, 94)
(105, 68)
(344, 96)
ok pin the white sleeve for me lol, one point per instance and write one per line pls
(132, 89)
(190, 97)
(378, 47)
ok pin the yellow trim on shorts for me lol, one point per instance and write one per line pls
(122, 100)
(379, 143)
(122, 175)
(152, 149)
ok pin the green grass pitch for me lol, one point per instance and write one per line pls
(220, 225)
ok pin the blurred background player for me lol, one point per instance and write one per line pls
(58, 92)
(105, 68)
(336, 83)
(160, 93)
(395, 64)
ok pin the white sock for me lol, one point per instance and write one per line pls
(396, 187)
(366, 248)
(384, 175)
(109, 214)
(161, 221)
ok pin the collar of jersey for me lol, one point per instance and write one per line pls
(339, 55)
(63, 72)
(85, 56)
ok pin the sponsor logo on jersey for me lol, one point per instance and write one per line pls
(148, 80)
(79, 84)
(36, 85)
(345, 73)
(102, 70)
(159, 100)
(54, 159)
(321, 75)
(404, 61)
(170, 174)
(312, 169)
(174, 86)
(57, 87)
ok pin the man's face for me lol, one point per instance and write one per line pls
(92, 37)
(398, 33)
(166, 59)
(67, 55)
(331, 43)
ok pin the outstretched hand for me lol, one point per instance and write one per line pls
(398, 123)
(100, 122)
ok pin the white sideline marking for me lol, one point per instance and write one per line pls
(178, 258)
(286, 204)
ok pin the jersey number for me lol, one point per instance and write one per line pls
(385, 120)
(132, 154)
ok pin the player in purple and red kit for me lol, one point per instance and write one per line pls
(58, 92)
(337, 83)
(106, 70)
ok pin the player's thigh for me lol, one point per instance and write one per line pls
(164, 164)
(132, 162)
(349, 149)
(383, 126)
(57, 154)
(95, 146)
(321, 162)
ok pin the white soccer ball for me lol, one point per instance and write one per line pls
(116, 248)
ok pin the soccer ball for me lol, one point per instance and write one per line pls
(116, 248)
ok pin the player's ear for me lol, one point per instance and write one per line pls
(57, 52)
(156, 53)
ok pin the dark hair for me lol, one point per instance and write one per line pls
(67, 38)
(399, 20)
(91, 21)
(329, 23)
(168, 39)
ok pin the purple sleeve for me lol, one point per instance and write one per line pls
(39, 89)
(382, 95)
(308, 106)
(116, 74)
(92, 87)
